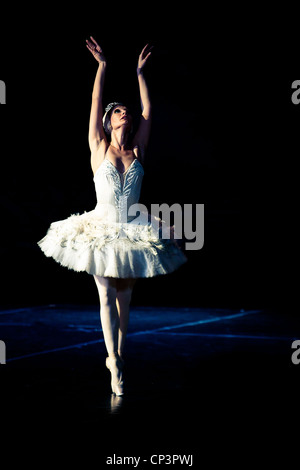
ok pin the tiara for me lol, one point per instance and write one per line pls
(112, 105)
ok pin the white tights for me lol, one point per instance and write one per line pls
(115, 297)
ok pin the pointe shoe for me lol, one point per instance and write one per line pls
(115, 366)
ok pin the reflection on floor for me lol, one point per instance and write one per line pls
(193, 376)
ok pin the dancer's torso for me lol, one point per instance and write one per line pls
(116, 190)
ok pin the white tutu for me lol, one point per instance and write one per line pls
(93, 243)
(86, 243)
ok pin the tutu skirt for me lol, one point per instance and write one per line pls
(88, 242)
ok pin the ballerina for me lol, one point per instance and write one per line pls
(115, 251)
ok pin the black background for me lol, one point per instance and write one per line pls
(224, 134)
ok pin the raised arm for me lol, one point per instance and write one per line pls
(142, 136)
(96, 132)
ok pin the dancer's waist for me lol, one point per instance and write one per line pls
(112, 213)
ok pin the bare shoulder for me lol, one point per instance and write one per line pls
(98, 155)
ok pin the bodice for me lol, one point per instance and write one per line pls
(116, 191)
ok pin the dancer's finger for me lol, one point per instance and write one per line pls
(96, 44)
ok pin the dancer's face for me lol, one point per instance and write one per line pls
(120, 117)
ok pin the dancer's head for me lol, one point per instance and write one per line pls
(116, 115)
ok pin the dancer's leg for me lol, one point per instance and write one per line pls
(107, 290)
(124, 293)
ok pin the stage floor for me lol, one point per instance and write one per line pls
(193, 377)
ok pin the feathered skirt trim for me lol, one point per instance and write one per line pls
(89, 243)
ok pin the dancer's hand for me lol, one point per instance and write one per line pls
(96, 50)
(143, 57)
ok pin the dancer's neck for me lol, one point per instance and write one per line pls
(119, 139)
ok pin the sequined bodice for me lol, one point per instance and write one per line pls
(117, 191)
